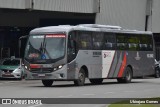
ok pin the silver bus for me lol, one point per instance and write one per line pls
(96, 52)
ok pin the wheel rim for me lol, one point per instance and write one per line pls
(157, 73)
(128, 76)
(81, 77)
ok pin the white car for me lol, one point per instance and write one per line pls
(11, 68)
(157, 68)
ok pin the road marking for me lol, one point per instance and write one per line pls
(36, 105)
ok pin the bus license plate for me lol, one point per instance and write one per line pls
(41, 75)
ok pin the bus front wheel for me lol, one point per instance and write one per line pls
(81, 78)
(157, 73)
(47, 83)
(96, 81)
(128, 76)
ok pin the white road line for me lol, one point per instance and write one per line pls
(36, 105)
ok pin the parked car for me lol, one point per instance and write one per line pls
(11, 68)
(157, 68)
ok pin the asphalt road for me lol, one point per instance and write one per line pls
(139, 88)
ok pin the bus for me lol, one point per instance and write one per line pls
(96, 52)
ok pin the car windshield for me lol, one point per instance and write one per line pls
(13, 62)
(45, 47)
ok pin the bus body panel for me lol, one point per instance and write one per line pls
(92, 60)
(56, 75)
(99, 63)
(106, 64)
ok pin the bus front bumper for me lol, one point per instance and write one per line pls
(60, 74)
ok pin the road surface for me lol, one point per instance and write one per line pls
(139, 88)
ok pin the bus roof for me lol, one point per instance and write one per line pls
(86, 27)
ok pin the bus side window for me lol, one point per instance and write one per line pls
(84, 39)
(97, 40)
(122, 42)
(109, 41)
(146, 43)
(133, 42)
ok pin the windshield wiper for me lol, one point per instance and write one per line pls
(43, 50)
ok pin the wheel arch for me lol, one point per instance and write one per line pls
(85, 70)
(130, 68)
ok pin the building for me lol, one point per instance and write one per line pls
(18, 17)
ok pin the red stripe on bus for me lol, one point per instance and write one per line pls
(55, 36)
(120, 74)
(35, 66)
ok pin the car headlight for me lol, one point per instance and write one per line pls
(17, 70)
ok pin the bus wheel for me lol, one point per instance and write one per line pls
(157, 73)
(128, 76)
(47, 83)
(81, 78)
(96, 81)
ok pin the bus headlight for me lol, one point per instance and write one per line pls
(56, 68)
(60, 66)
(25, 67)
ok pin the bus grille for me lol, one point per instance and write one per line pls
(6, 70)
(45, 70)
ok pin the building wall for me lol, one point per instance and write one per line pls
(18, 18)
(14, 4)
(79, 6)
(156, 16)
(26, 18)
(129, 14)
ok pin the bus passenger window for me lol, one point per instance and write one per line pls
(133, 42)
(122, 42)
(146, 43)
(84, 39)
(97, 40)
(109, 41)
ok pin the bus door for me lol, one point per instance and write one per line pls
(71, 55)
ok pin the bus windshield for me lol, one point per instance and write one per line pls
(45, 47)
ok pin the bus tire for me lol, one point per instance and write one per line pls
(81, 78)
(47, 83)
(128, 76)
(96, 81)
(157, 73)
